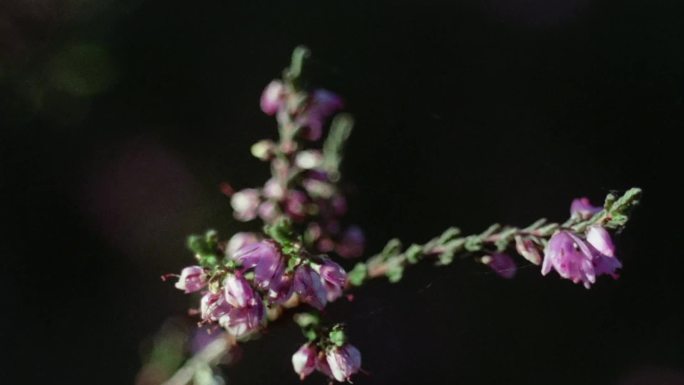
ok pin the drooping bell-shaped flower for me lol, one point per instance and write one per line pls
(266, 260)
(343, 361)
(192, 279)
(502, 264)
(280, 291)
(237, 291)
(213, 306)
(245, 204)
(308, 285)
(304, 360)
(582, 208)
(244, 321)
(272, 98)
(581, 259)
(334, 279)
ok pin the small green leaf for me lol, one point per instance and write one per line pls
(358, 274)
(414, 253)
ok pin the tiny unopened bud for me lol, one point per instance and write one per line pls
(263, 149)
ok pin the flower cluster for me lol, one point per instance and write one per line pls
(336, 362)
(256, 276)
(251, 278)
(303, 187)
(580, 257)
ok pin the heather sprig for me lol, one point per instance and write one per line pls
(252, 278)
(529, 242)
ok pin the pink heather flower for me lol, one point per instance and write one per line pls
(334, 279)
(582, 208)
(502, 264)
(245, 204)
(213, 306)
(273, 190)
(240, 240)
(266, 260)
(237, 291)
(295, 205)
(322, 104)
(352, 243)
(272, 98)
(192, 279)
(268, 211)
(343, 361)
(304, 360)
(308, 285)
(244, 321)
(528, 249)
(581, 260)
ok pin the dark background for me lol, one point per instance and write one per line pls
(119, 119)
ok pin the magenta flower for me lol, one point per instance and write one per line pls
(502, 264)
(304, 360)
(582, 208)
(322, 104)
(273, 97)
(266, 260)
(281, 291)
(244, 321)
(192, 279)
(237, 291)
(343, 362)
(581, 260)
(334, 279)
(308, 285)
(245, 204)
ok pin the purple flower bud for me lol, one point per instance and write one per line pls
(266, 260)
(334, 279)
(245, 320)
(304, 360)
(192, 279)
(240, 240)
(578, 259)
(582, 208)
(272, 97)
(308, 285)
(245, 204)
(295, 205)
(268, 211)
(352, 243)
(322, 104)
(213, 306)
(528, 249)
(501, 263)
(343, 361)
(237, 291)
